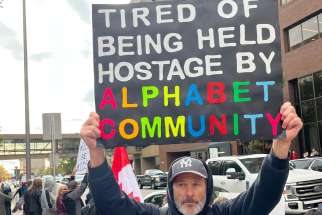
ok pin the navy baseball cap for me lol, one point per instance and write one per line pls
(188, 165)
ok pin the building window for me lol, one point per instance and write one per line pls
(295, 37)
(308, 102)
(310, 29)
(320, 23)
(306, 88)
(318, 83)
(320, 133)
(307, 31)
(319, 109)
(285, 2)
(308, 111)
(311, 137)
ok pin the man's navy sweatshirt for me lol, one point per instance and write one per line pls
(259, 199)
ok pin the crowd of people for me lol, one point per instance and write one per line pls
(42, 197)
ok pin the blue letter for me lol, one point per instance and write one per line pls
(192, 95)
(265, 84)
(202, 126)
(253, 118)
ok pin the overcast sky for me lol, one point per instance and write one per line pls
(60, 63)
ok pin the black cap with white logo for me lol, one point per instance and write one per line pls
(188, 165)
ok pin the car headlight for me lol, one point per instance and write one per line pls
(157, 179)
(289, 192)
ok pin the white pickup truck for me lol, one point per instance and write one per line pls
(235, 174)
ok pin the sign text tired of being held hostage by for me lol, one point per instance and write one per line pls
(187, 71)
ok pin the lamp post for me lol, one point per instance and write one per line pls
(27, 123)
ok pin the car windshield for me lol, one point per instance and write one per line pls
(155, 172)
(301, 164)
(252, 164)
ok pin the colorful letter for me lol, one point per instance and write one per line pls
(202, 126)
(175, 95)
(145, 125)
(149, 92)
(238, 91)
(102, 125)
(253, 118)
(125, 104)
(134, 125)
(274, 122)
(218, 89)
(265, 84)
(214, 122)
(168, 121)
(108, 98)
(236, 125)
(193, 95)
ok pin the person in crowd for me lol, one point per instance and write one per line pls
(293, 155)
(21, 192)
(6, 189)
(314, 212)
(4, 198)
(60, 208)
(32, 204)
(190, 184)
(314, 153)
(48, 198)
(72, 199)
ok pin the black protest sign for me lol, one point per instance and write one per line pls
(187, 71)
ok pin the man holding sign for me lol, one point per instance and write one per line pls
(182, 72)
(190, 184)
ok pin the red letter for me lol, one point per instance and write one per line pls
(108, 98)
(222, 127)
(103, 123)
(218, 89)
(274, 122)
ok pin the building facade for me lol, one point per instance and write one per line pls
(301, 29)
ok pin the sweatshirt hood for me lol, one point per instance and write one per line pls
(170, 197)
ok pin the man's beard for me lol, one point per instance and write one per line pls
(198, 206)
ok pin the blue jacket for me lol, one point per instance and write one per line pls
(259, 199)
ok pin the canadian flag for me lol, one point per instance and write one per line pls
(124, 174)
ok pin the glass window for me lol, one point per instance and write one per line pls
(319, 109)
(301, 164)
(308, 111)
(320, 134)
(317, 166)
(252, 164)
(214, 167)
(311, 137)
(306, 88)
(318, 81)
(231, 164)
(285, 2)
(310, 29)
(320, 22)
(295, 36)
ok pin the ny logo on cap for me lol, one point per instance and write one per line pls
(185, 163)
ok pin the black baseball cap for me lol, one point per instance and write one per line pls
(188, 165)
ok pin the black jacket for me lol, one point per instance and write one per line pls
(32, 205)
(259, 199)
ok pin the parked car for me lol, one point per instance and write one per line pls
(235, 174)
(153, 178)
(158, 198)
(312, 163)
